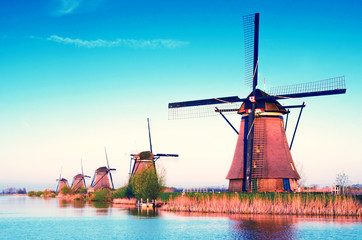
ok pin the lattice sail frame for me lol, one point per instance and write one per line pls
(203, 111)
(330, 84)
(249, 44)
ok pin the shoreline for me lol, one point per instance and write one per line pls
(243, 204)
(300, 205)
(17, 194)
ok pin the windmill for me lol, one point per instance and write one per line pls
(100, 179)
(262, 160)
(79, 179)
(62, 182)
(146, 160)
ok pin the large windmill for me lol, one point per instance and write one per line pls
(62, 182)
(79, 180)
(100, 179)
(262, 159)
(146, 160)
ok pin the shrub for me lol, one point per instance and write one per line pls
(81, 190)
(47, 193)
(101, 195)
(66, 190)
(31, 193)
(38, 193)
(123, 192)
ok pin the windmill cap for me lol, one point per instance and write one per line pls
(146, 155)
(262, 102)
(79, 176)
(102, 169)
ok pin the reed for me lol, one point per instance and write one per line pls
(266, 203)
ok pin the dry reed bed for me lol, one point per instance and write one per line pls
(296, 204)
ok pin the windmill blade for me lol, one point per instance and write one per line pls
(85, 185)
(251, 43)
(166, 155)
(149, 133)
(94, 177)
(202, 108)
(109, 170)
(81, 163)
(209, 101)
(60, 177)
(329, 86)
(105, 151)
(110, 176)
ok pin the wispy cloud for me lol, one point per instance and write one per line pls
(133, 43)
(67, 6)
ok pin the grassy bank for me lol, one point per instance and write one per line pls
(265, 203)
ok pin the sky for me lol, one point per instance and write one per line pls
(80, 75)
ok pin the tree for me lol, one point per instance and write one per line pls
(146, 184)
(342, 180)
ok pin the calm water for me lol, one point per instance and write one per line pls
(36, 218)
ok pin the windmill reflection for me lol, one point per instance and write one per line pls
(264, 227)
(143, 212)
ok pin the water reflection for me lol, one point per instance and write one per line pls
(79, 204)
(102, 208)
(62, 203)
(257, 226)
(264, 227)
(143, 212)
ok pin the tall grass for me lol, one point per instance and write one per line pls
(266, 203)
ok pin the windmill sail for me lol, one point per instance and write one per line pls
(251, 42)
(329, 86)
(199, 108)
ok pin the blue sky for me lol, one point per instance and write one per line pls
(80, 75)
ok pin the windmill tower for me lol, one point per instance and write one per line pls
(146, 160)
(100, 179)
(79, 180)
(62, 182)
(262, 160)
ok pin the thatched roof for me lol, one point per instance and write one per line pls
(146, 155)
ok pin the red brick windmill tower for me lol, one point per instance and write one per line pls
(62, 182)
(100, 179)
(146, 160)
(79, 180)
(262, 159)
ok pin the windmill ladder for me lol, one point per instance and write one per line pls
(258, 152)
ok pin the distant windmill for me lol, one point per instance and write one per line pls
(79, 180)
(146, 160)
(262, 159)
(100, 179)
(62, 182)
